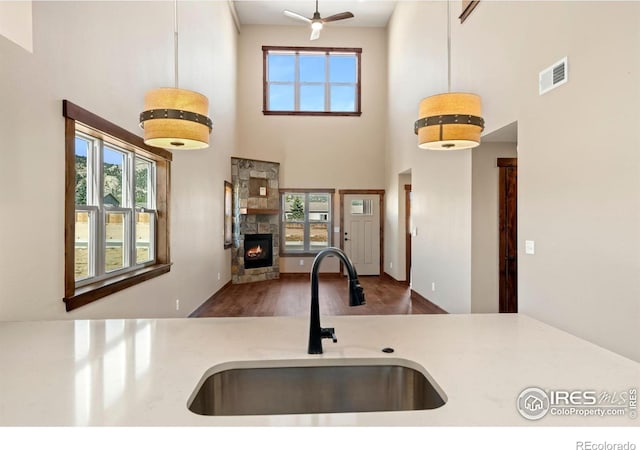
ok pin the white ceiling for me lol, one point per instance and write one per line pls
(508, 133)
(368, 13)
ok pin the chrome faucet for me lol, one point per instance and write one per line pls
(356, 297)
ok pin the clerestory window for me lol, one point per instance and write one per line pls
(311, 81)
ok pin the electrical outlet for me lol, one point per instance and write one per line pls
(218, 276)
(391, 265)
(177, 304)
(302, 262)
(433, 286)
(530, 247)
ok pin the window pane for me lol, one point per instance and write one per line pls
(281, 97)
(312, 68)
(294, 207)
(144, 170)
(312, 98)
(82, 245)
(113, 167)
(293, 236)
(343, 98)
(362, 207)
(319, 207)
(115, 255)
(319, 236)
(281, 67)
(83, 147)
(342, 69)
(144, 232)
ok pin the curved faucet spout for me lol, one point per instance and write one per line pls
(356, 297)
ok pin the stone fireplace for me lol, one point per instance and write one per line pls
(256, 221)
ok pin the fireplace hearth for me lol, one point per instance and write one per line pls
(258, 251)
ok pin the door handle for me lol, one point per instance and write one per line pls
(346, 239)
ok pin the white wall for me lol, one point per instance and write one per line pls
(441, 181)
(579, 189)
(103, 56)
(485, 235)
(16, 22)
(315, 152)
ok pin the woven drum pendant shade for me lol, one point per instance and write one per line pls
(454, 121)
(187, 133)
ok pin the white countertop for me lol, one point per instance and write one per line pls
(143, 371)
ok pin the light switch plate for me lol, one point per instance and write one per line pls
(530, 247)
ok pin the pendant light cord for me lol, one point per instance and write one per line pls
(448, 46)
(175, 41)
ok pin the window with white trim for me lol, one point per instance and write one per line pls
(115, 210)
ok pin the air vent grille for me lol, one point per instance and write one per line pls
(553, 76)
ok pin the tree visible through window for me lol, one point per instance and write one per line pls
(311, 81)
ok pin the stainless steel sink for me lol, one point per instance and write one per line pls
(299, 388)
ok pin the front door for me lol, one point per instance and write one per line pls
(508, 191)
(361, 232)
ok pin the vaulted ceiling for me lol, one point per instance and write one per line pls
(368, 13)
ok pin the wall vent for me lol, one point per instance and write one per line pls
(553, 76)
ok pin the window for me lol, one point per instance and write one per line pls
(116, 208)
(306, 220)
(311, 81)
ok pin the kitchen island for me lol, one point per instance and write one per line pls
(141, 372)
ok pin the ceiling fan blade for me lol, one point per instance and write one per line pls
(315, 34)
(341, 16)
(296, 16)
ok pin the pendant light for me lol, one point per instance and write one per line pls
(450, 121)
(175, 118)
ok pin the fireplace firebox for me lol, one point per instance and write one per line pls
(258, 251)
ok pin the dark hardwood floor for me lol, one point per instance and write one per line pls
(291, 296)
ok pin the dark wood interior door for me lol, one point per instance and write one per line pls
(407, 201)
(508, 210)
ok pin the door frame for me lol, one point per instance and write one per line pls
(380, 193)
(503, 302)
(407, 222)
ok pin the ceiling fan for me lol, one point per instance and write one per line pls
(317, 22)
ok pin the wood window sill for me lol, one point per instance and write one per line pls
(91, 292)
(312, 113)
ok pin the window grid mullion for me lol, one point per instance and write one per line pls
(100, 241)
(307, 224)
(327, 89)
(296, 84)
(131, 232)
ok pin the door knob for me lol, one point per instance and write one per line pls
(346, 239)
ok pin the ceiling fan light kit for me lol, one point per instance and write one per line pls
(317, 22)
(451, 121)
(174, 118)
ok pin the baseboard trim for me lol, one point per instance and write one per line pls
(196, 311)
(386, 276)
(306, 275)
(436, 308)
